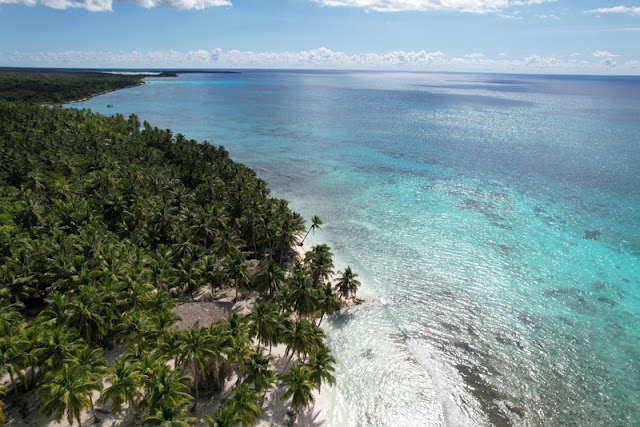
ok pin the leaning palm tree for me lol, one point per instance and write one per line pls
(316, 222)
(69, 390)
(348, 284)
(299, 388)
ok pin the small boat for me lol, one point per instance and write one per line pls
(109, 105)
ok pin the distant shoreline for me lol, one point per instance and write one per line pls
(86, 98)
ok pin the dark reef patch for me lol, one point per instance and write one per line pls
(591, 234)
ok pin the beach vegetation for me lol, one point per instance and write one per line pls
(105, 224)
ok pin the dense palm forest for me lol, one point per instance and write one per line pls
(105, 222)
(55, 86)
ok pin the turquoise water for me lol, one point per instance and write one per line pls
(494, 219)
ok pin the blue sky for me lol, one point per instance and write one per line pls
(538, 36)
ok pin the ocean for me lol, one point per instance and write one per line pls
(493, 219)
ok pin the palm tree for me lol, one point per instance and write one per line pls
(320, 262)
(133, 326)
(244, 405)
(289, 230)
(170, 416)
(238, 351)
(14, 357)
(321, 365)
(316, 222)
(56, 346)
(299, 337)
(348, 284)
(195, 351)
(299, 388)
(166, 388)
(69, 389)
(211, 273)
(264, 323)
(187, 276)
(222, 418)
(236, 267)
(125, 381)
(304, 295)
(226, 242)
(57, 311)
(92, 360)
(270, 279)
(161, 325)
(30, 215)
(90, 314)
(221, 340)
(257, 372)
(329, 301)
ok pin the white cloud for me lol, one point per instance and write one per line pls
(616, 9)
(180, 4)
(471, 6)
(18, 2)
(603, 54)
(550, 16)
(107, 5)
(607, 60)
(90, 5)
(322, 58)
(542, 61)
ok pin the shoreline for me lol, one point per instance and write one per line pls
(104, 92)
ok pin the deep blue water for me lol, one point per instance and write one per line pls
(494, 220)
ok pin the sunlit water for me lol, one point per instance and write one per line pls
(494, 219)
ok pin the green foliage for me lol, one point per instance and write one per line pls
(58, 86)
(103, 222)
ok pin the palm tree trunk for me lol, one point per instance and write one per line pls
(305, 236)
(93, 410)
(321, 316)
(195, 380)
(287, 364)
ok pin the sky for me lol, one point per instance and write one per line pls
(521, 36)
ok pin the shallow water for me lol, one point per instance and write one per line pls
(495, 220)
